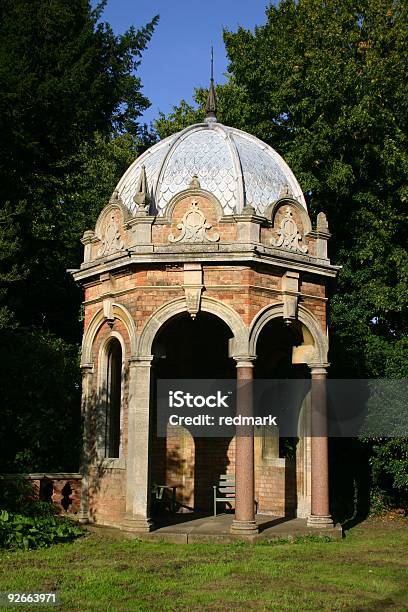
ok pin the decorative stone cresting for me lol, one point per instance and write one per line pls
(289, 235)
(142, 198)
(195, 183)
(193, 227)
(322, 225)
(112, 241)
(285, 192)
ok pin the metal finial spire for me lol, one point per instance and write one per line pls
(212, 63)
(211, 106)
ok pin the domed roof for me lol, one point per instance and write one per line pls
(236, 167)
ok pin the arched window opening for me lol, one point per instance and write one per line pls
(114, 397)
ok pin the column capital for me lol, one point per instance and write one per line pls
(244, 361)
(143, 360)
(319, 369)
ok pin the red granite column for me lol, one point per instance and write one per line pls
(320, 516)
(244, 520)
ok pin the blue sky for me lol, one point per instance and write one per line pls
(177, 59)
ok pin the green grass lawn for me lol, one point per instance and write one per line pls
(105, 571)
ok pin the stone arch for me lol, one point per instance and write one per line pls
(104, 405)
(273, 208)
(112, 206)
(118, 312)
(191, 193)
(238, 343)
(319, 345)
(103, 355)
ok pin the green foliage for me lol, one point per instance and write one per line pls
(25, 532)
(85, 192)
(64, 76)
(389, 466)
(325, 84)
(364, 571)
(40, 381)
(26, 523)
(70, 104)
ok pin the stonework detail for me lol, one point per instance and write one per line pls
(108, 310)
(112, 241)
(285, 192)
(193, 227)
(289, 235)
(193, 286)
(290, 289)
(263, 174)
(322, 225)
(195, 183)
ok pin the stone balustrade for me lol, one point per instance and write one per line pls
(63, 489)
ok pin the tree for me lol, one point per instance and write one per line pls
(70, 105)
(329, 94)
(325, 84)
(63, 77)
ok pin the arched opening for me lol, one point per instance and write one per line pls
(191, 349)
(276, 455)
(113, 398)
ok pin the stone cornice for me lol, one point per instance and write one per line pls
(211, 253)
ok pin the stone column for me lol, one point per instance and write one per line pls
(138, 447)
(244, 520)
(320, 516)
(87, 376)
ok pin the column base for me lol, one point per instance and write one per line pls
(82, 517)
(244, 528)
(137, 524)
(320, 521)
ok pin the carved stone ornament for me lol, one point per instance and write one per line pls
(289, 235)
(193, 227)
(142, 198)
(285, 192)
(112, 241)
(108, 311)
(193, 287)
(194, 183)
(193, 299)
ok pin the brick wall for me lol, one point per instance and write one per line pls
(195, 465)
(63, 490)
(107, 491)
(244, 289)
